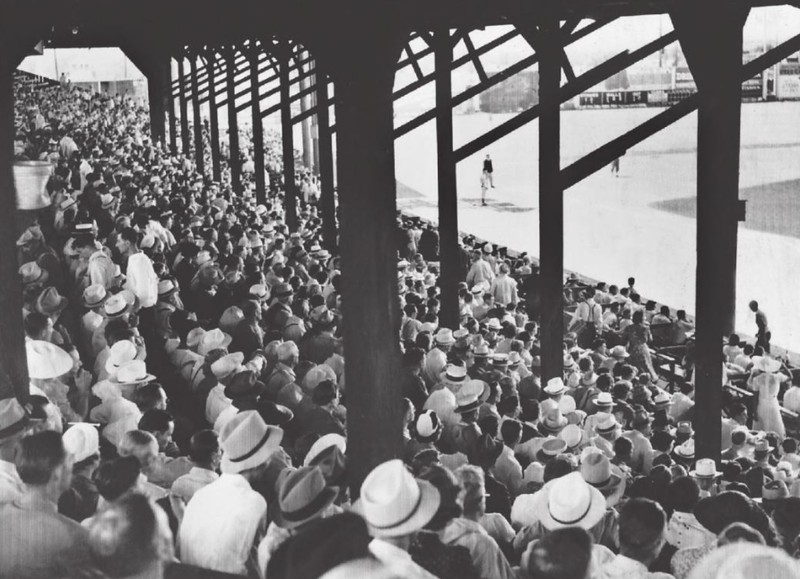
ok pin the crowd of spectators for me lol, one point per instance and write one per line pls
(188, 409)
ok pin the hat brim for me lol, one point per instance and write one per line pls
(315, 508)
(275, 435)
(425, 510)
(693, 473)
(594, 514)
(147, 378)
(469, 407)
(555, 392)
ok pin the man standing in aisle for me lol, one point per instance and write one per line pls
(488, 168)
(763, 335)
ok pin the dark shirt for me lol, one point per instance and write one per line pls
(498, 500)
(443, 561)
(414, 388)
(79, 501)
(247, 338)
(487, 166)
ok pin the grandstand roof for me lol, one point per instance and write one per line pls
(84, 23)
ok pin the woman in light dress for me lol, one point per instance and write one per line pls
(766, 380)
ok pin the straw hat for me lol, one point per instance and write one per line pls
(555, 386)
(82, 440)
(31, 273)
(573, 435)
(455, 373)
(213, 340)
(247, 442)
(605, 422)
(323, 443)
(596, 469)
(50, 302)
(445, 337)
(94, 296)
(394, 503)
(193, 338)
(133, 372)
(166, 287)
(46, 360)
(427, 426)
(303, 496)
(227, 365)
(494, 325)
(120, 353)
(551, 448)
(569, 501)
(116, 306)
(13, 418)
(553, 421)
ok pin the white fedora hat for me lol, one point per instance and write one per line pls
(247, 442)
(82, 440)
(555, 386)
(46, 360)
(394, 503)
(213, 340)
(227, 365)
(569, 501)
(323, 443)
(133, 372)
(121, 352)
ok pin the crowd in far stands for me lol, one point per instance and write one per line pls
(188, 408)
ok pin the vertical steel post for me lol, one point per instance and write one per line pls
(448, 194)
(290, 192)
(551, 200)
(14, 379)
(258, 127)
(233, 123)
(716, 68)
(327, 195)
(184, 107)
(173, 131)
(367, 197)
(213, 115)
(199, 148)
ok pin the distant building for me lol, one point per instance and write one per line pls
(105, 70)
(518, 93)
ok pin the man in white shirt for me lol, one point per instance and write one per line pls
(225, 521)
(504, 288)
(396, 506)
(206, 454)
(13, 426)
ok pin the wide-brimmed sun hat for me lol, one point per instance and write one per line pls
(46, 360)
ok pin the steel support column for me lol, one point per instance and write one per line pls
(448, 198)
(233, 123)
(13, 365)
(367, 196)
(213, 119)
(258, 127)
(173, 123)
(716, 68)
(158, 85)
(199, 149)
(184, 107)
(551, 200)
(289, 190)
(327, 195)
